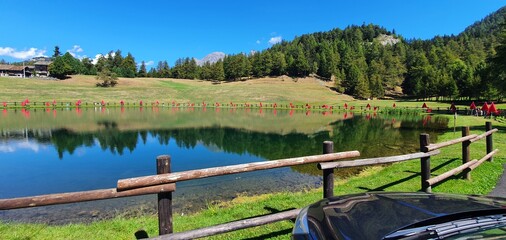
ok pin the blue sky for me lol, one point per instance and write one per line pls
(157, 30)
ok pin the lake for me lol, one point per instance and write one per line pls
(45, 151)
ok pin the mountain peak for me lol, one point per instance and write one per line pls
(211, 58)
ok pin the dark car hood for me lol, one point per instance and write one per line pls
(374, 215)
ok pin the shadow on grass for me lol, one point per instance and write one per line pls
(414, 175)
(277, 233)
(482, 128)
(141, 234)
(271, 235)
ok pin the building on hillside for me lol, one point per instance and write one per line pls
(41, 68)
(14, 70)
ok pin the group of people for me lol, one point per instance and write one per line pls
(478, 112)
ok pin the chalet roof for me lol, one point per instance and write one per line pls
(6, 67)
(18, 68)
(41, 58)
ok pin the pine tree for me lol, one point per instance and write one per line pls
(299, 67)
(128, 67)
(142, 70)
(278, 64)
(57, 52)
(89, 67)
(59, 68)
(75, 65)
(152, 73)
(206, 71)
(217, 72)
(257, 65)
(497, 69)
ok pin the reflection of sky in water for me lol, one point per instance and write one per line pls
(16, 146)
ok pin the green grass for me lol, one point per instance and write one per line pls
(396, 177)
(168, 90)
(175, 85)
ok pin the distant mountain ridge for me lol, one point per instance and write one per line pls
(211, 58)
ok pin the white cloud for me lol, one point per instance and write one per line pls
(275, 40)
(98, 56)
(30, 53)
(258, 42)
(7, 149)
(19, 145)
(75, 50)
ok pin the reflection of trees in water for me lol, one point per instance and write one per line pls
(67, 141)
(372, 137)
(382, 137)
(265, 145)
(110, 137)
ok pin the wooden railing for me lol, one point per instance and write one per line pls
(164, 182)
(426, 151)
(467, 164)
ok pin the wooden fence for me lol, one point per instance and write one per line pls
(164, 182)
(426, 151)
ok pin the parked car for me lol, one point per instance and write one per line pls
(386, 215)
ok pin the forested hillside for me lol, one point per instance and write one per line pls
(366, 61)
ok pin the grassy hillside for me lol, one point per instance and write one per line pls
(282, 89)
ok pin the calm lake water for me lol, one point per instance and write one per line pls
(45, 151)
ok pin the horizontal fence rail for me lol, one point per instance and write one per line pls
(73, 197)
(450, 173)
(435, 146)
(139, 182)
(486, 134)
(374, 161)
(483, 159)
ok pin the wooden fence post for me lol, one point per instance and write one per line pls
(466, 153)
(425, 163)
(164, 199)
(490, 146)
(328, 174)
